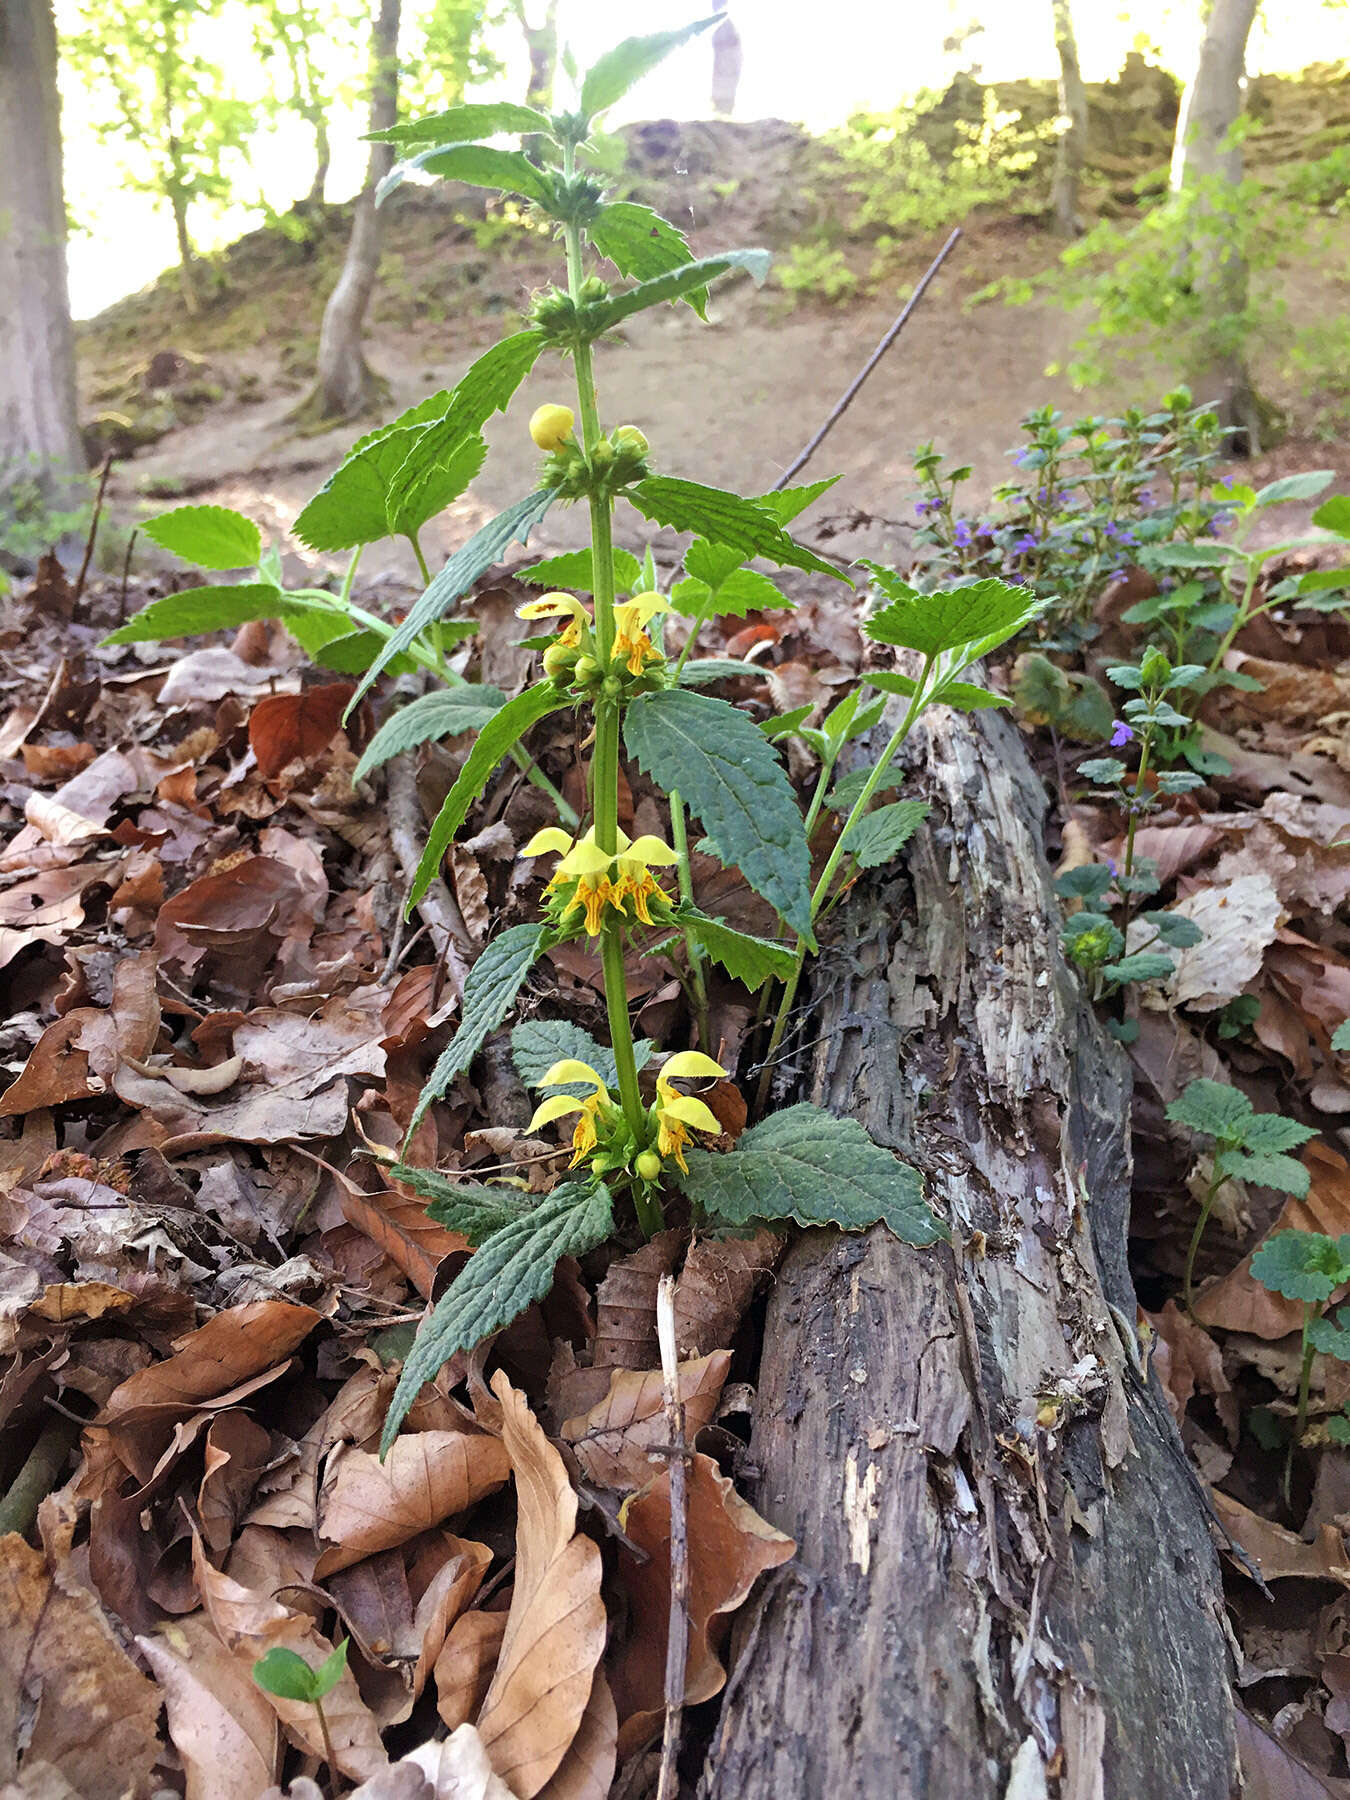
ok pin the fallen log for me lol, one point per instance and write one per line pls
(1007, 1584)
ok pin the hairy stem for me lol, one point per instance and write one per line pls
(1206, 1207)
(679, 838)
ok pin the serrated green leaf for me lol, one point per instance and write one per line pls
(1271, 1131)
(1265, 1170)
(623, 67)
(961, 696)
(459, 574)
(740, 593)
(1303, 1265)
(1186, 556)
(805, 1164)
(1332, 1338)
(712, 563)
(576, 570)
(641, 245)
(1334, 515)
(1340, 1038)
(677, 284)
(879, 836)
(730, 779)
(471, 1208)
(1306, 486)
(286, 1674)
(539, 1043)
(327, 638)
(502, 732)
(1144, 965)
(205, 609)
(448, 712)
(1213, 1108)
(786, 503)
(970, 620)
(1091, 881)
(723, 518)
(1173, 928)
(847, 791)
(511, 1270)
(490, 988)
(463, 125)
(368, 497)
(212, 537)
(750, 960)
(476, 165)
(708, 669)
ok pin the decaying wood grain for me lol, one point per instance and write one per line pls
(1006, 1584)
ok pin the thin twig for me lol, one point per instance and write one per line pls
(103, 474)
(851, 392)
(677, 1637)
(126, 576)
(40, 1472)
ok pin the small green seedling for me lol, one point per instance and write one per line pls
(1094, 943)
(287, 1675)
(1310, 1267)
(1248, 1146)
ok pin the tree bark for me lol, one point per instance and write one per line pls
(1005, 1583)
(1071, 149)
(344, 384)
(39, 427)
(541, 41)
(728, 61)
(1204, 155)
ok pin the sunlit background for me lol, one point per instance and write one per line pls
(802, 62)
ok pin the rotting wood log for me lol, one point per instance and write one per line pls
(1006, 1584)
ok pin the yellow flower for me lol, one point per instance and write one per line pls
(558, 606)
(677, 1114)
(631, 643)
(595, 1104)
(551, 426)
(603, 880)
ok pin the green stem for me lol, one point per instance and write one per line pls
(1243, 615)
(1206, 1207)
(1304, 1384)
(696, 624)
(329, 1756)
(437, 636)
(345, 592)
(679, 837)
(1145, 746)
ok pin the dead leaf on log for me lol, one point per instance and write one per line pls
(717, 1284)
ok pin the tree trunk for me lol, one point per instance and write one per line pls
(541, 41)
(322, 158)
(1204, 156)
(187, 266)
(344, 384)
(39, 428)
(1005, 1583)
(1071, 149)
(728, 60)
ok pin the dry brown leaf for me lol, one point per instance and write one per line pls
(450, 1590)
(1278, 1553)
(1187, 1359)
(1239, 920)
(1270, 1772)
(717, 1284)
(587, 1771)
(219, 1718)
(614, 1440)
(428, 1476)
(555, 1632)
(455, 1768)
(625, 1304)
(70, 1697)
(286, 728)
(79, 808)
(234, 1456)
(400, 1226)
(465, 1665)
(730, 1546)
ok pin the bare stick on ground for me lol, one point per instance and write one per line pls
(677, 1640)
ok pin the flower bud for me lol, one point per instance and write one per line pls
(630, 435)
(551, 426)
(648, 1165)
(587, 669)
(559, 661)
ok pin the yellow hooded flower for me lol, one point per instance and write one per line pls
(558, 1106)
(631, 642)
(551, 426)
(677, 1114)
(603, 880)
(558, 606)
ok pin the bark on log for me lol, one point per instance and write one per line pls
(1006, 1584)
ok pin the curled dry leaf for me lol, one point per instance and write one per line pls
(555, 1632)
(234, 1456)
(401, 1228)
(1188, 1361)
(287, 728)
(613, 1442)
(1278, 1553)
(466, 1663)
(70, 1696)
(730, 1546)
(427, 1477)
(717, 1284)
(1238, 921)
(212, 1080)
(220, 1721)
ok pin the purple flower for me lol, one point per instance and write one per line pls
(1144, 498)
(1025, 544)
(924, 507)
(1120, 735)
(965, 533)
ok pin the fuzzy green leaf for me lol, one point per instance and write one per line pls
(1213, 1108)
(1332, 1338)
(847, 791)
(878, 837)
(1340, 1038)
(459, 574)
(463, 125)
(476, 165)
(1303, 1265)
(1306, 486)
(712, 563)
(806, 1164)
(1090, 881)
(490, 989)
(623, 67)
(505, 729)
(206, 609)
(786, 503)
(1265, 1169)
(747, 959)
(1334, 515)
(1144, 965)
(511, 1270)
(961, 696)
(705, 670)
(447, 712)
(1272, 1132)
(641, 245)
(575, 570)
(1173, 928)
(971, 620)
(676, 284)
(1186, 556)
(539, 1043)
(468, 1207)
(723, 518)
(741, 592)
(367, 496)
(730, 779)
(212, 537)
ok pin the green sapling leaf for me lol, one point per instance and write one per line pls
(623, 67)
(212, 537)
(1303, 1265)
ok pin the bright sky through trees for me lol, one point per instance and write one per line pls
(871, 54)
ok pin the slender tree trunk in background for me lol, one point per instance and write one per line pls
(1071, 149)
(1005, 1584)
(344, 384)
(1204, 156)
(322, 157)
(728, 60)
(189, 286)
(39, 429)
(542, 43)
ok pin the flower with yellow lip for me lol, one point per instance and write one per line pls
(600, 879)
(596, 1109)
(631, 642)
(677, 1114)
(558, 606)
